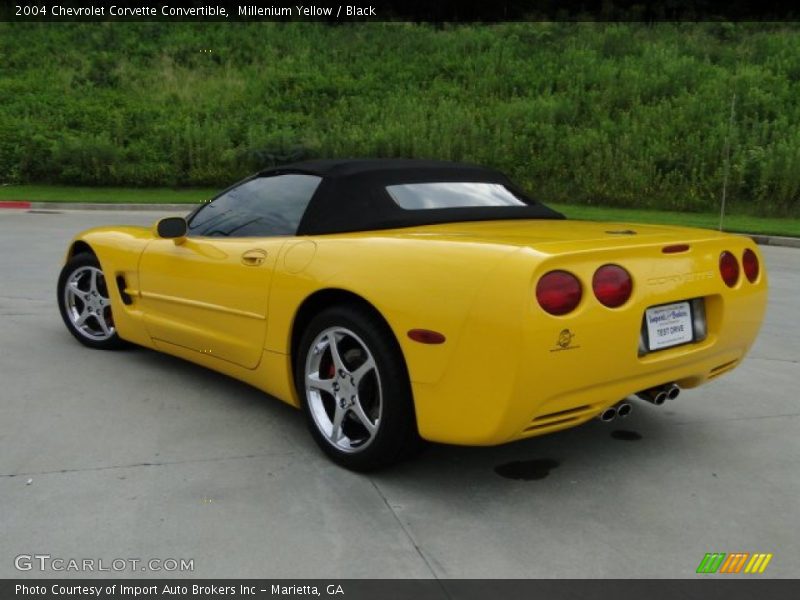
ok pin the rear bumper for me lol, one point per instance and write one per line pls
(526, 412)
(513, 375)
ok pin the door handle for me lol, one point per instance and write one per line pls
(254, 258)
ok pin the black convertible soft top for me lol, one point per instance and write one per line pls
(352, 195)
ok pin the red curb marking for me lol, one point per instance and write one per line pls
(15, 204)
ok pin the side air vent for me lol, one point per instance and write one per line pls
(559, 418)
(121, 286)
(723, 368)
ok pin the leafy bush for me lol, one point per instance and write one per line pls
(599, 113)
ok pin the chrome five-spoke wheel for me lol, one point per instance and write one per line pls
(85, 304)
(343, 389)
(354, 388)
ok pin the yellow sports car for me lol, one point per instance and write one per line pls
(395, 301)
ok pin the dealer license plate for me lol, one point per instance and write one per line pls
(669, 325)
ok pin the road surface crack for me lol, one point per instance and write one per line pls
(754, 417)
(147, 464)
(770, 359)
(410, 537)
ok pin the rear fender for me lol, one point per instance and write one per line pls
(422, 285)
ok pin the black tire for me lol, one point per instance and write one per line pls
(92, 334)
(395, 437)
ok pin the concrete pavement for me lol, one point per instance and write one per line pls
(134, 454)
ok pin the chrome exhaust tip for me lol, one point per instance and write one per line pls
(655, 396)
(624, 409)
(672, 391)
(608, 415)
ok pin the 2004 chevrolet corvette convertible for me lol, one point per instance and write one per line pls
(399, 301)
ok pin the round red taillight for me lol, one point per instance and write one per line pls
(558, 292)
(728, 268)
(612, 285)
(750, 265)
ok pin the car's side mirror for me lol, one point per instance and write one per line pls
(172, 228)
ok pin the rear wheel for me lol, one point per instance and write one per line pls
(83, 300)
(354, 389)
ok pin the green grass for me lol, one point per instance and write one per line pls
(114, 195)
(733, 221)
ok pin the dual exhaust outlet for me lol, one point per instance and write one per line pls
(621, 410)
(657, 395)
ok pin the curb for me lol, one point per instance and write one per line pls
(764, 240)
(99, 206)
(775, 240)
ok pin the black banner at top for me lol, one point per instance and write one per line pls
(395, 10)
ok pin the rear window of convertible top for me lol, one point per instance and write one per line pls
(456, 194)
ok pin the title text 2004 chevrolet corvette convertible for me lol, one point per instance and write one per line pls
(395, 301)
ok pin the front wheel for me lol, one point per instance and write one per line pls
(83, 300)
(354, 389)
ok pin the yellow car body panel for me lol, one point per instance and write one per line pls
(507, 370)
(226, 314)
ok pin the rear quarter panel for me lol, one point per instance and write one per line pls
(413, 283)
